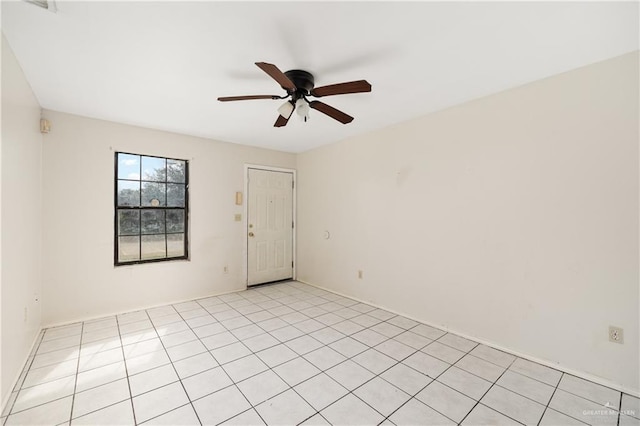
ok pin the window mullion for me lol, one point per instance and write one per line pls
(140, 210)
(166, 204)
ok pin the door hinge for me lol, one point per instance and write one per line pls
(292, 263)
(291, 225)
(293, 184)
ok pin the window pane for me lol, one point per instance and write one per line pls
(175, 221)
(128, 249)
(175, 245)
(154, 169)
(128, 166)
(153, 221)
(176, 171)
(128, 222)
(128, 193)
(153, 247)
(175, 195)
(153, 194)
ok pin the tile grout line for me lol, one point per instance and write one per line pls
(550, 399)
(126, 371)
(75, 382)
(619, 410)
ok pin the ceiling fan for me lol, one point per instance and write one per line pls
(299, 85)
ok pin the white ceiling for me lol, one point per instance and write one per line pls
(163, 64)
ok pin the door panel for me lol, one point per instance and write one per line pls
(280, 250)
(269, 226)
(261, 256)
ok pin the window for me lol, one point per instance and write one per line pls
(151, 208)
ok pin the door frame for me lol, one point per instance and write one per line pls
(245, 220)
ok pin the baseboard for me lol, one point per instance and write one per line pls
(545, 362)
(24, 364)
(94, 317)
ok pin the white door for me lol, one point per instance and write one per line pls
(269, 226)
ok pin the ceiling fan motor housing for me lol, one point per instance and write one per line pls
(302, 79)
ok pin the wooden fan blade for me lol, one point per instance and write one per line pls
(277, 75)
(247, 98)
(281, 121)
(359, 86)
(331, 112)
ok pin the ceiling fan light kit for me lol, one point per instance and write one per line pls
(286, 109)
(299, 84)
(302, 108)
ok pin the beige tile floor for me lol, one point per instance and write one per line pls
(288, 354)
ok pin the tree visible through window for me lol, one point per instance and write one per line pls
(151, 208)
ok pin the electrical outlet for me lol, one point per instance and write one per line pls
(360, 274)
(616, 334)
(226, 269)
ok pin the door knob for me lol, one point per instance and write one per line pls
(251, 234)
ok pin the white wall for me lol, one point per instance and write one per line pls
(80, 280)
(513, 219)
(21, 223)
